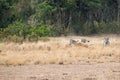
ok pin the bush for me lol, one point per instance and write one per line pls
(111, 27)
(54, 31)
(14, 31)
(17, 28)
(43, 31)
(96, 26)
(87, 28)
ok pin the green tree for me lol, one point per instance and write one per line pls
(5, 17)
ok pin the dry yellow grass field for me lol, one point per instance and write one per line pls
(58, 51)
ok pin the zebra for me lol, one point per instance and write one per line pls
(72, 41)
(106, 41)
(84, 40)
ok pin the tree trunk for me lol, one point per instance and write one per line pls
(69, 21)
(90, 20)
(59, 20)
(118, 11)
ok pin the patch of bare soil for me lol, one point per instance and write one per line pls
(79, 71)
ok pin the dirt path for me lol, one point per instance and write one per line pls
(79, 71)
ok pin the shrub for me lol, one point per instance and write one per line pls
(54, 31)
(87, 28)
(43, 30)
(97, 26)
(111, 27)
(17, 28)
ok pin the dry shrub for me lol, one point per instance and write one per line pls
(0, 51)
(15, 39)
(58, 46)
(68, 46)
(90, 78)
(48, 48)
(33, 38)
(77, 45)
(37, 62)
(81, 44)
(41, 48)
(44, 39)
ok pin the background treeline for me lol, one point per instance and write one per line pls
(23, 18)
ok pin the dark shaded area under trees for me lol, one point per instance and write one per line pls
(55, 17)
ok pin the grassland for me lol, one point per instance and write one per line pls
(58, 51)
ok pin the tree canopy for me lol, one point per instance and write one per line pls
(82, 17)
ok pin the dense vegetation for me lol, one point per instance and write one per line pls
(23, 18)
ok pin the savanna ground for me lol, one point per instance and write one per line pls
(57, 60)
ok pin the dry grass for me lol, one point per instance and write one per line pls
(58, 51)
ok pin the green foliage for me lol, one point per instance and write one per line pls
(5, 14)
(87, 28)
(102, 27)
(112, 27)
(44, 11)
(70, 4)
(43, 31)
(56, 17)
(17, 28)
(54, 31)
(93, 4)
